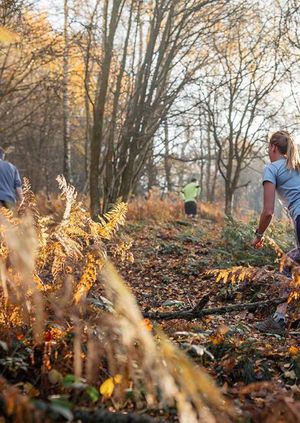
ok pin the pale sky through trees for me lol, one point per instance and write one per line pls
(159, 95)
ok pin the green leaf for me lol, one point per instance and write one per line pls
(71, 381)
(61, 400)
(63, 411)
(92, 393)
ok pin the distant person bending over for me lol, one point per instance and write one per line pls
(283, 176)
(189, 194)
(10, 183)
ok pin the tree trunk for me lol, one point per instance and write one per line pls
(167, 160)
(151, 171)
(212, 191)
(228, 200)
(66, 100)
(208, 167)
(100, 102)
(109, 165)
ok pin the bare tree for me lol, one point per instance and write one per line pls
(110, 24)
(144, 85)
(236, 94)
(66, 100)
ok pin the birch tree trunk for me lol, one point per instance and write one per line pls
(66, 100)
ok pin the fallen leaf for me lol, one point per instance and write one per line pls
(107, 388)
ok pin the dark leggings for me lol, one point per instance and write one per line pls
(190, 208)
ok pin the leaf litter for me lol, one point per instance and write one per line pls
(172, 271)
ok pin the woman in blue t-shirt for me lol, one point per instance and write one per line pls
(283, 176)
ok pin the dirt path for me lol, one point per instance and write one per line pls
(256, 371)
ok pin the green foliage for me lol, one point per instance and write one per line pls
(12, 362)
(236, 248)
(192, 235)
(170, 249)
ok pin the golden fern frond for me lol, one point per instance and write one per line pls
(8, 215)
(110, 221)
(29, 201)
(122, 249)
(58, 260)
(233, 274)
(4, 252)
(30, 205)
(295, 285)
(38, 282)
(43, 232)
(69, 194)
(94, 262)
(284, 259)
(66, 239)
(71, 247)
(78, 227)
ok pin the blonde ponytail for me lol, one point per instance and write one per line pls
(292, 155)
(287, 147)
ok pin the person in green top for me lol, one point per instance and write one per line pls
(189, 193)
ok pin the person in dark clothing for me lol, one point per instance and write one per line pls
(10, 183)
(189, 194)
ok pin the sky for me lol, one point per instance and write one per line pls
(54, 8)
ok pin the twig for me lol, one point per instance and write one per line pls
(198, 312)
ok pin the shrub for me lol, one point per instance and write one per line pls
(236, 248)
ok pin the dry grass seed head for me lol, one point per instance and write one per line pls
(196, 396)
(22, 243)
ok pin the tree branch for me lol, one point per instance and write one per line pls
(198, 312)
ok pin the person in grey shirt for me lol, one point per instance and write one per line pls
(10, 183)
(282, 175)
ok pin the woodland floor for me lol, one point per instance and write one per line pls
(259, 373)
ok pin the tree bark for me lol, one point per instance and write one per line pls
(151, 170)
(100, 103)
(167, 160)
(228, 200)
(197, 312)
(66, 100)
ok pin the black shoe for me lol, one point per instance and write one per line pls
(271, 326)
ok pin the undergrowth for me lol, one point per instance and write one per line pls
(72, 337)
(167, 208)
(235, 247)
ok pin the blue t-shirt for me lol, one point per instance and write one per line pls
(287, 184)
(9, 181)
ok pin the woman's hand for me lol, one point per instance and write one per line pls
(258, 242)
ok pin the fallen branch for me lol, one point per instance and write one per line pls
(197, 312)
